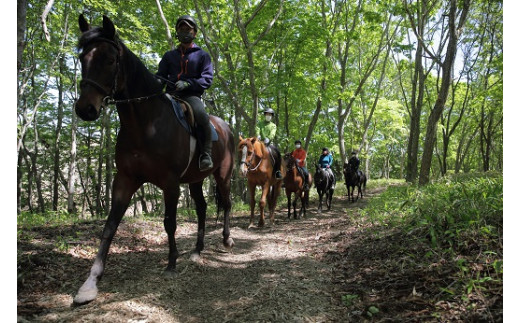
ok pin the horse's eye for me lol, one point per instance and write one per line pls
(110, 61)
(249, 153)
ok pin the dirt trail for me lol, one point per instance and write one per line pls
(278, 273)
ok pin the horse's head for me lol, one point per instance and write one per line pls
(346, 167)
(289, 160)
(99, 59)
(250, 154)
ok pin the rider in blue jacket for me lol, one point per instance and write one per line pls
(325, 162)
(190, 72)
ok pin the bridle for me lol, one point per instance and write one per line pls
(109, 94)
(249, 163)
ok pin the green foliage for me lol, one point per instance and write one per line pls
(290, 62)
(449, 209)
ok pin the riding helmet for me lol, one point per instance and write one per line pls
(324, 149)
(187, 19)
(297, 142)
(269, 110)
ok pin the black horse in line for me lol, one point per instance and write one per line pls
(323, 182)
(354, 179)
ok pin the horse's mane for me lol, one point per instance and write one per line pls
(134, 64)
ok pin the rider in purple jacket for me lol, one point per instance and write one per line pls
(190, 72)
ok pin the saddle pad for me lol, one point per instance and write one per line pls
(184, 122)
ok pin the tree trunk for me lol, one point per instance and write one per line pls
(59, 122)
(447, 68)
(71, 188)
(20, 32)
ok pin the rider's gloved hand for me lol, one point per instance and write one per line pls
(181, 85)
(328, 166)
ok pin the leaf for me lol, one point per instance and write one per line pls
(374, 310)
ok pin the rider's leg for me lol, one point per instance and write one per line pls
(333, 178)
(202, 120)
(277, 161)
(305, 177)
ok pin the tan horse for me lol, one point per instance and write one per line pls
(256, 164)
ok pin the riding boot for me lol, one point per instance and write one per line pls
(277, 162)
(305, 176)
(333, 181)
(202, 120)
(205, 162)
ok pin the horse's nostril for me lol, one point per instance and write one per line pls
(91, 112)
(87, 113)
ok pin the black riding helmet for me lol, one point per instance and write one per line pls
(297, 142)
(187, 19)
(324, 149)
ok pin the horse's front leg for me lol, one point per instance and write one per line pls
(252, 203)
(201, 207)
(320, 196)
(288, 203)
(262, 203)
(298, 196)
(171, 198)
(294, 204)
(122, 190)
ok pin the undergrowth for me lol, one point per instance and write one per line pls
(458, 221)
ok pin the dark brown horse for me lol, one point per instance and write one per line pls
(323, 181)
(354, 179)
(256, 165)
(151, 144)
(294, 183)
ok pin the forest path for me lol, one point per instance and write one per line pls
(277, 273)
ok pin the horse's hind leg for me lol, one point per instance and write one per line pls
(320, 195)
(329, 198)
(201, 207)
(273, 197)
(122, 190)
(224, 189)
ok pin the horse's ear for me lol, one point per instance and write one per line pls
(240, 138)
(253, 140)
(83, 24)
(108, 27)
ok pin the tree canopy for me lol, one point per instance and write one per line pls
(415, 86)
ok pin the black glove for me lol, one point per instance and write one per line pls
(181, 85)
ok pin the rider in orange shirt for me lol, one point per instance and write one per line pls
(301, 155)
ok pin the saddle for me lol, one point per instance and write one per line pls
(184, 113)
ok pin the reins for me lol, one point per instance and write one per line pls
(109, 95)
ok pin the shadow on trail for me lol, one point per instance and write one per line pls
(250, 283)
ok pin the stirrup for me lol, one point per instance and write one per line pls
(278, 175)
(205, 162)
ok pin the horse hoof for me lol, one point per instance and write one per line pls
(85, 295)
(196, 258)
(229, 243)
